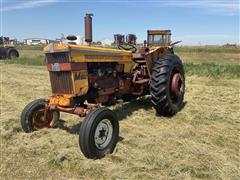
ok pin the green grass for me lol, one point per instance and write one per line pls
(37, 61)
(27, 47)
(207, 49)
(213, 70)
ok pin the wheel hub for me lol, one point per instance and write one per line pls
(177, 85)
(13, 55)
(38, 120)
(103, 134)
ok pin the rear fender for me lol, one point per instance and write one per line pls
(153, 55)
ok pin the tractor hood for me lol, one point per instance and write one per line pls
(51, 48)
(83, 53)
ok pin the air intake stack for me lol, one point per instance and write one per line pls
(119, 39)
(131, 39)
(88, 28)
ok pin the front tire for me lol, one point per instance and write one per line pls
(99, 133)
(167, 86)
(32, 117)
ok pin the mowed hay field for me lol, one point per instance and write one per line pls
(201, 141)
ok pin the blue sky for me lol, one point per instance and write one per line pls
(192, 21)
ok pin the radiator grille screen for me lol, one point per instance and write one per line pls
(61, 82)
(58, 57)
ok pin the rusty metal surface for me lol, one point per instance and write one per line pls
(61, 82)
(140, 75)
(177, 84)
(88, 27)
(103, 83)
(42, 119)
(139, 92)
(81, 111)
(57, 57)
(126, 85)
(143, 51)
(67, 66)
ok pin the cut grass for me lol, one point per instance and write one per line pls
(201, 141)
(36, 61)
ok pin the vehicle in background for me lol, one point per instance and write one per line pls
(7, 50)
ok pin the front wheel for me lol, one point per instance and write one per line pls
(32, 117)
(99, 133)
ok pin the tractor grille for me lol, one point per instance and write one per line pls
(57, 57)
(61, 82)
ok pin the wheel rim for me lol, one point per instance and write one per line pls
(177, 86)
(103, 133)
(13, 55)
(38, 120)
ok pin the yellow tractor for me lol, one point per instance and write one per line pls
(84, 78)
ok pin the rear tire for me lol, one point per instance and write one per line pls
(12, 53)
(32, 117)
(98, 133)
(167, 86)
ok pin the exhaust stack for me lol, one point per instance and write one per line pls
(88, 28)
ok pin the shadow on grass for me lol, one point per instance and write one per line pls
(72, 129)
(183, 105)
(127, 109)
(180, 109)
(75, 128)
(122, 111)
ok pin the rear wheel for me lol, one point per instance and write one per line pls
(32, 117)
(12, 53)
(167, 86)
(98, 133)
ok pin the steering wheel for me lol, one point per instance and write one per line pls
(127, 47)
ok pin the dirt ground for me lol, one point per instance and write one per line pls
(201, 141)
